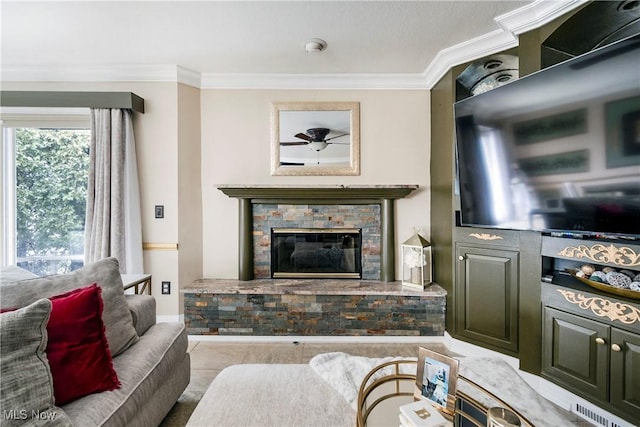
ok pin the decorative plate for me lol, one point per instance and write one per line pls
(628, 293)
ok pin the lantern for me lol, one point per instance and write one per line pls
(416, 262)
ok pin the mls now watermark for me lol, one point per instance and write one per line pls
(24, 414)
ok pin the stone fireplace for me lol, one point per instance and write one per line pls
(256, 304)
(333, 219)
(370, 208)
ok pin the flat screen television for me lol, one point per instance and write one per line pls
(556, 151)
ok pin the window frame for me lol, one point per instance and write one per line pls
(19, 117)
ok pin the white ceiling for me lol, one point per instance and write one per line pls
(214, 40)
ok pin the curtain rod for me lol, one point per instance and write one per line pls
(128, 100)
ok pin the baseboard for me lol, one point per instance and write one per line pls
(578, 405)
(170, 318)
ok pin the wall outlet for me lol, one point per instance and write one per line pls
(166, 288)
(159, 210)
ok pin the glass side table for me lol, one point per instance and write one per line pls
(392, 384)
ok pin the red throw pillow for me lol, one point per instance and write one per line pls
(77, 347)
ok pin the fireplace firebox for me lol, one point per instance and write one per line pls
(316, 253)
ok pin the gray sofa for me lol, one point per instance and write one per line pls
(150, 358)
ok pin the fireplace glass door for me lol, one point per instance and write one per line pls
(316, 253)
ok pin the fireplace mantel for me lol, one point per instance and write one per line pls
(347, 194)
(384, 195)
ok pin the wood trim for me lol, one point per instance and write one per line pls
(317, 194)
(159, 246)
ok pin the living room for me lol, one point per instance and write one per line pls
(203, 129)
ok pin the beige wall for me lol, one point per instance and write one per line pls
(394, 137)
(191, 140)
(156, 133)
(189, 187)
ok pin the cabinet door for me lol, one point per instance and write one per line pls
(625, 372)
(487, 296)
(575, 353)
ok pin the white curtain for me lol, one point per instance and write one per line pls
(113, 225)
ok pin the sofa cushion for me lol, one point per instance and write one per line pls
(143, 369)
(143, 312)
(26, 389)
(116, 316)
(13, 273)
(77, 349)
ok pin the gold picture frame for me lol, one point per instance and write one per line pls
(315, 138)
(436, 380)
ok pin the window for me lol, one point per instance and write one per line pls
(46, 164)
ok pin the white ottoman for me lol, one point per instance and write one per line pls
(279, 395)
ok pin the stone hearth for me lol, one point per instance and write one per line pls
(325, 307)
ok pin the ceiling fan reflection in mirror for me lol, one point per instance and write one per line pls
(316, 139)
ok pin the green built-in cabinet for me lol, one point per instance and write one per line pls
(591, 346)
(515, 326)
(486, 285)
(494, 287)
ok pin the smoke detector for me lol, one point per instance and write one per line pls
(315, 45)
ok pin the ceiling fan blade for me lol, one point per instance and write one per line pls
(293, 143)
(339, 143)
(304, 136)
(334, 137)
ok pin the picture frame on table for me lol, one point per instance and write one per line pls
(436, 379)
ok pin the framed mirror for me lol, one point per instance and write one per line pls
(315, 138)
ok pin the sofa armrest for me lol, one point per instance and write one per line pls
(143, 312)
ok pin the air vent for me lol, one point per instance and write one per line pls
(594, 415)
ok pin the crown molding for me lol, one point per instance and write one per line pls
(484, 45)
(90, 73)
(511, 24)
(536, 14)
(188, 77)
(505, 37)
(313, 81)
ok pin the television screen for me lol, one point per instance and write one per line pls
(558, 150)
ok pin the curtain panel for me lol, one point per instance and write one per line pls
(113, 222)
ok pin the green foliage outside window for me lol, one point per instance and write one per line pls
(51, 186)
